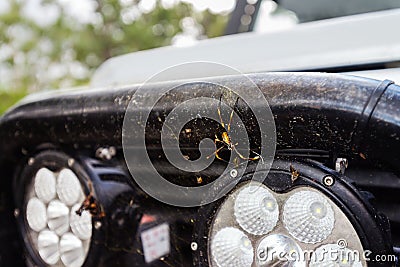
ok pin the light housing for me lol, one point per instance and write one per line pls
(52, 193)
(53, 233)
(344, 211)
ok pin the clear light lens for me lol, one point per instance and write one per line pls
(81, 226)
(71, 249)
(331, 255)
(45, 185)
(231, 247)
(279, 250)
(69, 188)
(36, 214)
(48, 247)
(58, 217)
(308, 217)
(58, 234)
(256, 210)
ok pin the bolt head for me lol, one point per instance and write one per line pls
(71, 162)
(193, 246)
(328, 180)
(97, 225)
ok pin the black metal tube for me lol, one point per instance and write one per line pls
(382, 138)
(321, 112)
(312, 111)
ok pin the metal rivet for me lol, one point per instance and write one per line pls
(328, 180)
(16, 213)
(233, 173)
(71, 162)
(193, 246)
(31, 161)
(97, 225)
(342, 243)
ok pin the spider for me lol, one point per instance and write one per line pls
(225, 138)
(294, 173)
(90, 204)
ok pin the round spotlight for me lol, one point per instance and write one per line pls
(71, 250)
(45, 185)
(57, 214)
(279, 250)
(36, 214)
(48, 247)
(69, 189)
(52, 231)
(231, 247)
(51, 187)
(81, 226)
(256, 210)
(332, 255)
(308, 216)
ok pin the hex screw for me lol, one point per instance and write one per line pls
(328, 180)
(233, 173)
(97, 225)
(71, 162)
(193, 246)
(16, 213)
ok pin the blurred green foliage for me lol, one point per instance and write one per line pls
(37, 55)
(7, 99)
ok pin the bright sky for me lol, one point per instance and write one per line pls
(83, 10)
(215, 6)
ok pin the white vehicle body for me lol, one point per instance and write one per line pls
(347, 41)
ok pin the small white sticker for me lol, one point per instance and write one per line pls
(155, 242)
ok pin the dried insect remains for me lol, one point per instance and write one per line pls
(91, 204)
(294, 173)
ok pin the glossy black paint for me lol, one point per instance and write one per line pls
(312, 111)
